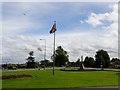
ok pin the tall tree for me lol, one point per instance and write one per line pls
(61, 57)
(31, 60)
(102, 58)
(89, 62)
(78, 63)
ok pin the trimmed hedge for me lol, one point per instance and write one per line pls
(15, 76)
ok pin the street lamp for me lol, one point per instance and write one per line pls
(45, 49)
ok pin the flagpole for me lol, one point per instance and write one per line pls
(54, 54)
(53, 31)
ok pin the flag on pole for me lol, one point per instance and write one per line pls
(53, 28)
(53, 31)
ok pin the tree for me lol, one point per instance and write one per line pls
(46, 63)
(115, 63)
(102, 58)
(31, 60)
(61, 57)
(89, 62)
(78, 63)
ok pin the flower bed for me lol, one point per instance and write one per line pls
(15, 76)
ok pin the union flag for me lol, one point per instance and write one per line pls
(53, 28)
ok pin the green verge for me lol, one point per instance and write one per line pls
(61, 79)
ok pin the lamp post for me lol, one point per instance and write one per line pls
(44, 50)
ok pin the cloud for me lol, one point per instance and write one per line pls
(24, 17)
(99, 19)
(76, 41)
(93, 20)
(13, 26)
(86, 43)
(81, 21)
(16, 49)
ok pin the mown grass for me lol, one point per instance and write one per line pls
(61, 79)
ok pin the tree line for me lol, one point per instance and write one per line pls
(101, 59)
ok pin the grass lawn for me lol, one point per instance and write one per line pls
(61, 79)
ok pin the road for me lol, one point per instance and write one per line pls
(106, 69)
(92, 88)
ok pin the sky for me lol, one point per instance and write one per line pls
(82, 29)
